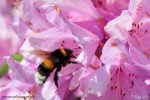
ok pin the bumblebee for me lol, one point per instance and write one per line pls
(55, 60)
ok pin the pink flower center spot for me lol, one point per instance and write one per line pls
(114, 45)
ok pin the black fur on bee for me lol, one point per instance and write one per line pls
(56, 60)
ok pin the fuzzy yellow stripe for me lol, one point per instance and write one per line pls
(48, 63)
(63, 52)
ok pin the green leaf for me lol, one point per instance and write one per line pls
(4, 68)
(17, 57)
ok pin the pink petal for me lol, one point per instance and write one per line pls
(53, 36)
(138, 57)
(112, 50)
(121, 25)
(79, 5)
(97, 82)
(86, 39)
(19, 72)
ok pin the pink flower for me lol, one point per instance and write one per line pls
(131, 26)
(14, 89)
(73, 11)
(126, 82)
(76, 5)
(8, 38)
(32, 19)
(92, 79)
(126, 48)
(109, 9)
(140, 36)
(25, 74)
(126, 78)
(72, 37)
(114, 47)
(97, 82)
(112, 63)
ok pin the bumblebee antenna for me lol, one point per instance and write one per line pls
(73, 56)
(76, 49)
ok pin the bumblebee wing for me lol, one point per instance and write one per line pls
(40, 53)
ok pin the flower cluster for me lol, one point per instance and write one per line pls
(109, 39)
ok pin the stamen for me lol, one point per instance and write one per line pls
(57, 9)
(114, 45)
(93, 67)
(134, 33)
(102, 26)
(101, 44)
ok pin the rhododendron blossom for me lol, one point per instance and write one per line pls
(131, 26)
(9, 42)
(75, 49)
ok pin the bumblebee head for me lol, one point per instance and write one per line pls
(69, 53)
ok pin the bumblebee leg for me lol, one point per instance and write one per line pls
(72, 62)
(56, 76)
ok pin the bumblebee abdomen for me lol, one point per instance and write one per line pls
(44, 71)
(48, 63)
